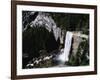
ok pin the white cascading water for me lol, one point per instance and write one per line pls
(63, 57)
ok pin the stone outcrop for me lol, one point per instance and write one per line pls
(44, 20)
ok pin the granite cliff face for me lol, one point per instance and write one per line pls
(44, 20)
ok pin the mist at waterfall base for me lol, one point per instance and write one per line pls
(49, 40)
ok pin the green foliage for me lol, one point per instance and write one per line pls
(72, 22)
(45, 64)
(84, 59)
(34, 40)
(38, 38)
(80, 58)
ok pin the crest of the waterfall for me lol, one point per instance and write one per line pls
(68, 40)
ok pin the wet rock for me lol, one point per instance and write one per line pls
(79, 52)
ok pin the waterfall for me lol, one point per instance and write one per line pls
(68, 40)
